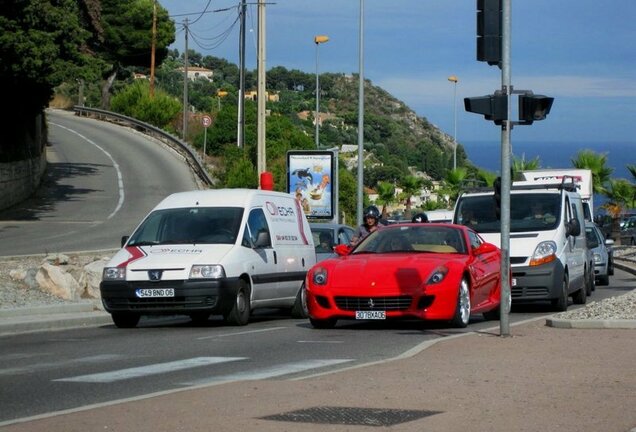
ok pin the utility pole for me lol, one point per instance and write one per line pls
(241, 102)
(262, 95)
(361, 116)
(185, 84)
(506, 127)
(153, 49)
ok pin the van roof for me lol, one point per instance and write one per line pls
(216, 198)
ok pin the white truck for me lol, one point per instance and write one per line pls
(582, 178)
(549, 257)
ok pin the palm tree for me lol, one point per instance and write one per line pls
(487, 177)
(453, 182)
(597, 164)
(411, 185)
(620, 193)
(521, 164)
(386, 196)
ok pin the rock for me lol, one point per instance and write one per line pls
(90, 278)
(58, 282)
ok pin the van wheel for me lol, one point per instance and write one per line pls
(240, 313)
(580, 297)
(300, 309)
(589, 283)
(561, 303)
(462, 310)
(126, 320)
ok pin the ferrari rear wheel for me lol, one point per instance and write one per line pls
(462, 311)
(323, 324)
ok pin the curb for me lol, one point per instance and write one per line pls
(52, 317)
(591, 324)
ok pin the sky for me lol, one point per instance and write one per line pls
(581, 52)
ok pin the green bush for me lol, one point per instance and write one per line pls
(135, 101)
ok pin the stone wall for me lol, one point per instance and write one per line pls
(18, 180)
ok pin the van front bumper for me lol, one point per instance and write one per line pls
(210, 296)
(535, 283)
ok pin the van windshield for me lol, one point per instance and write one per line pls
(528, 212)
(200, 225)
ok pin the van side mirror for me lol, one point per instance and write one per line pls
(573, 227)
(124, 239)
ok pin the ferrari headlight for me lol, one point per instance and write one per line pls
(437, 276)
(545, 252)
(207, 271)
(320, 276)
(114, 273)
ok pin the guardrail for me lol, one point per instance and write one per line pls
(189, 154)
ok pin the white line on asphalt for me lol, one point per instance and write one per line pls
(120, 181)
(271, 372)
(37, 367)
(320, 342)
(152, 369)
(242, 333)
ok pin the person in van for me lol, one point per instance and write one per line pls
(326, 242)
(537, 212)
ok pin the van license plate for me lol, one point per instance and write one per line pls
(154, 292)
(371, 315)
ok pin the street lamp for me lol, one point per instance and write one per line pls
(454, 80)
(318, 40)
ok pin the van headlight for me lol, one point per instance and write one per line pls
(544, 253)
(207, 271)
(114, 273)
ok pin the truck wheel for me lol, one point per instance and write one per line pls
(240, 313)
(125, 320)
(300, 305)
(561, 303)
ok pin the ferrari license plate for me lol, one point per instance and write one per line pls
(370, 315)
(154, 292)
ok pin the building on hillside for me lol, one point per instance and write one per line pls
(271, 97)
(195, 72)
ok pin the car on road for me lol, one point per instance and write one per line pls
(329, 235)
(418, 271)
(602, 251)
(628, 231)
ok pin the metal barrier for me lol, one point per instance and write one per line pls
(184, 149)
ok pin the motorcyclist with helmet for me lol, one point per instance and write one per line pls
(371, 222)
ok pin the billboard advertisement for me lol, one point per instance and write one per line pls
(310, 178)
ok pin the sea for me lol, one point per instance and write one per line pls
(487, 155)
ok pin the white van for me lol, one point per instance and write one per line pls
(548, 250)
(225, 252)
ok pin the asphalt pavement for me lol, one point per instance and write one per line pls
(580, 377)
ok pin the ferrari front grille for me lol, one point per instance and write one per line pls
(374, 303)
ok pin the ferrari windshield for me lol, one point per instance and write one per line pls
(189, 225)
(413, 238)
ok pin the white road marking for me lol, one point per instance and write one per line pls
(152, 369)
(52, 365)
(242, 333)
(120, 180)
(319, 342)
(274, 371)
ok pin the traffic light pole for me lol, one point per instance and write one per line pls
(506, 181)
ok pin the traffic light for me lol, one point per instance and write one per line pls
(489, 26)
(492, 107)
(533, 107)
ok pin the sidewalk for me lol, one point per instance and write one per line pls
(539, 379)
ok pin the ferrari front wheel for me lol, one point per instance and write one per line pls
(462, 310)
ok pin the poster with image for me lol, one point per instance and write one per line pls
(310, 180)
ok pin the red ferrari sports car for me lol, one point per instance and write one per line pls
(423, 271)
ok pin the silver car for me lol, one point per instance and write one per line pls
(602, 250)
(329, 235)
(628, 231)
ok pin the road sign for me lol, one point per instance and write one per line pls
(206, 120)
